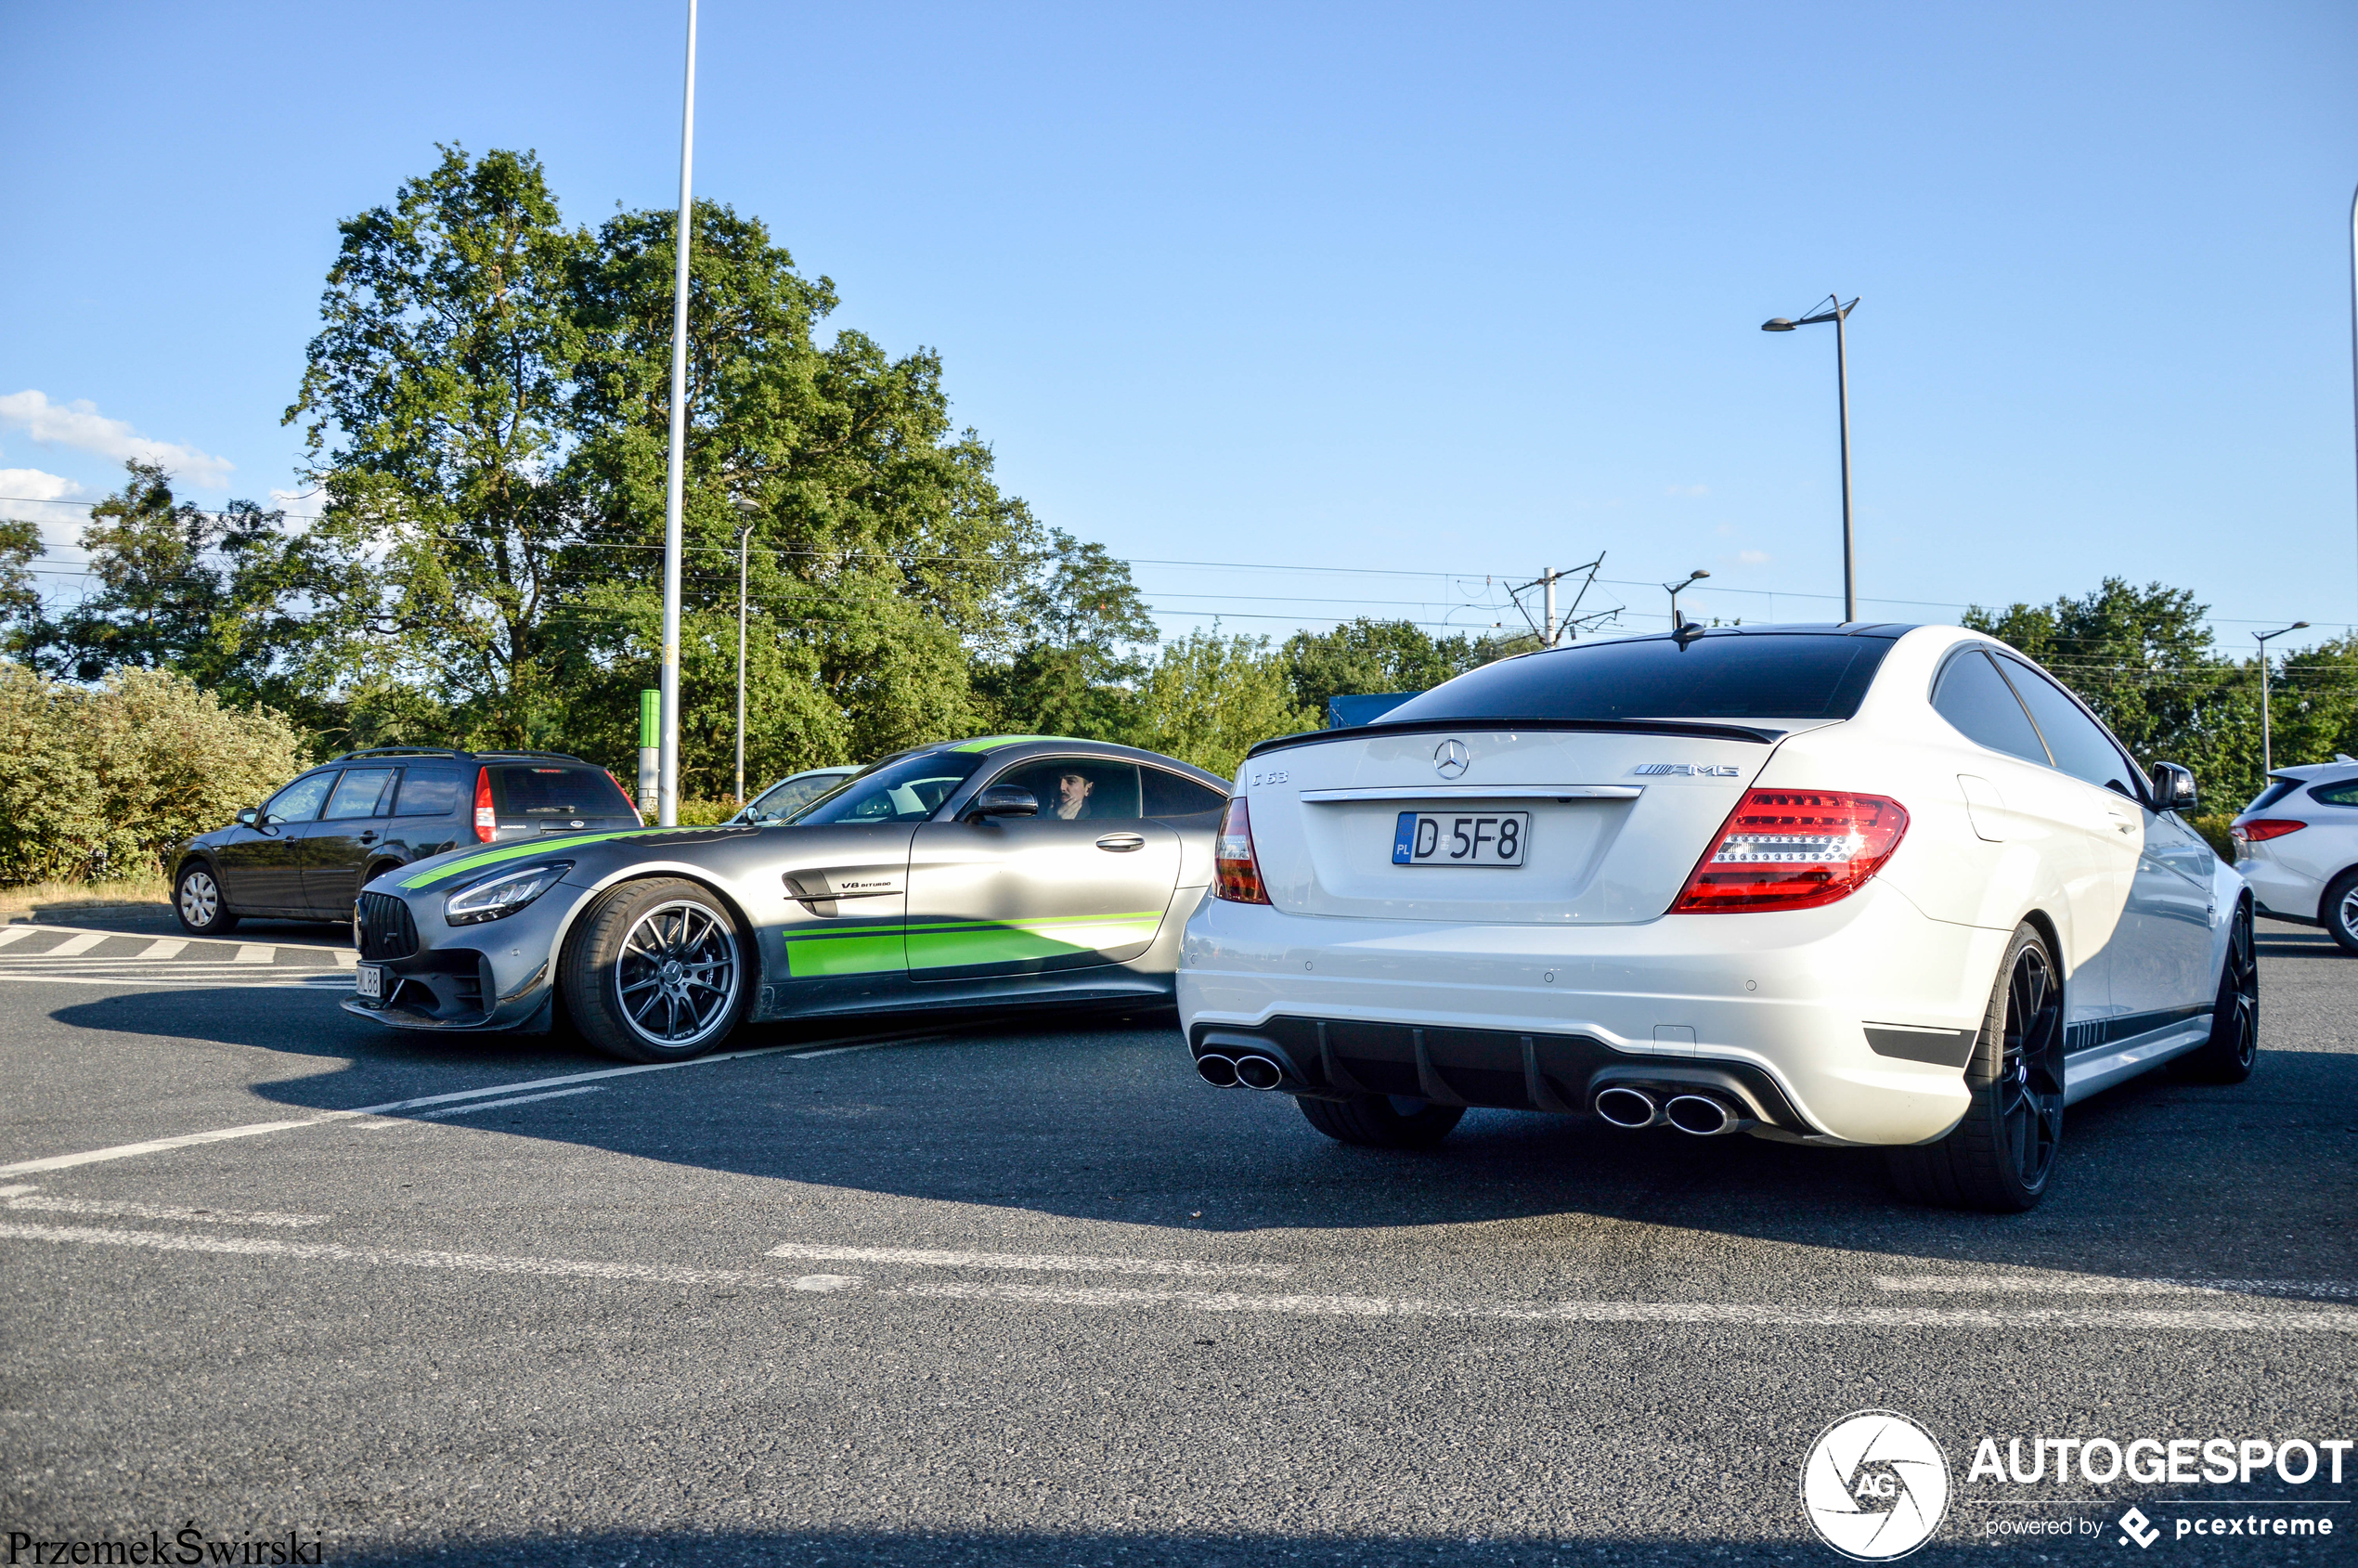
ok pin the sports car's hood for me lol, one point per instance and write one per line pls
(443, 870)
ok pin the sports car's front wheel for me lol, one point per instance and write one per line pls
(2001, 1153)
(655, 973)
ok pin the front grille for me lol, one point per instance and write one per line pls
(384, 928)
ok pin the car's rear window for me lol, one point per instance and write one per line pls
(1779, 675)
(2277, 789)
(554, 789)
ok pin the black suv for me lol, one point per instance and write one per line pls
(305, 853)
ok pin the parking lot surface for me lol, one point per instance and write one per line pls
(1029, 1292)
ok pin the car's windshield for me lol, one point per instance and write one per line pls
(1777, 675)
(780, 800)
(900, 789)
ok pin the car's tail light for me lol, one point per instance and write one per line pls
(626, 795)
(2262, 829)
(1794, 849)
(486, 820)
(1235, 874)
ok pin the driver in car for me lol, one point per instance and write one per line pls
(1072, 794)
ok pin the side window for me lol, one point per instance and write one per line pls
(356, 794)
(1078, 789)
(1168, 795)
(427, 792)
(300, 801)
(1972, 696)
(2081, 749)
(2343, 792)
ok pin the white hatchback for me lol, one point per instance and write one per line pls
(1855, 885)
(2297, 844)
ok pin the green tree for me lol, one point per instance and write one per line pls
(1368, 656)
(1210, 698)
(20, 623)
(1077, 663)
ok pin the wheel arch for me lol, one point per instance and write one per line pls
(2325, 887)
(199, 857)
(606, 890)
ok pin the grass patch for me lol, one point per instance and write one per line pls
(43, 898)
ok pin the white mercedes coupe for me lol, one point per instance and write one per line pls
(1841, 885)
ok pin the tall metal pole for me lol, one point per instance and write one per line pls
(674, 463)
(2353, 320)
(743, 535)
(1547, 576)
(2267, 757)
(1842, 386)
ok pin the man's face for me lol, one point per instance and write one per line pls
(1072, 794)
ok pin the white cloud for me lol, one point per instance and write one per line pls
(1752, 557)
(301, 506)
(31, 494)
(80, 425)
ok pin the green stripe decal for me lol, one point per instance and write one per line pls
(860, 952)
(962, 944)
(555, 841)
(991, 742)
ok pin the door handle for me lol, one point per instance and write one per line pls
(1122, 842)
(369, 837)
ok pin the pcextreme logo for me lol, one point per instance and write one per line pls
(1875, 1485)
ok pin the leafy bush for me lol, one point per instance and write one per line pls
(101, 784)
(2214, 827)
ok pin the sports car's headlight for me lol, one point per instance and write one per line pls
(502, 895)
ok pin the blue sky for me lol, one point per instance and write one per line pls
(1450, 292)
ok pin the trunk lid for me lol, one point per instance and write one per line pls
(1618, 818)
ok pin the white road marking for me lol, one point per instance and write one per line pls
(31, 926)
(164, 946)
(1731, 1315)
(14, 934)
(73, 945)
(1029, 1261)
(183, 981)
(256, 953)
(13, 1191)
(346, 957)
(158, 1212)
(257, 1128)
(519, 1100)
(2097, 1284)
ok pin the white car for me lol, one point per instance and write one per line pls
(1855, 885)
(2297, 844)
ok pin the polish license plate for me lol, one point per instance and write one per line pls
(1463, 838)
(369, 981)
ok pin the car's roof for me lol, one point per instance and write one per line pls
(1012, 747)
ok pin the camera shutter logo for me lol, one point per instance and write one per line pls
(1451, 760)
(1875, 1485)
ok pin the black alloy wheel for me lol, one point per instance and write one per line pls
(2232, 1049)
(2000, 1155)
(657, 972)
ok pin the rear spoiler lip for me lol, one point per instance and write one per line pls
(1688, 729)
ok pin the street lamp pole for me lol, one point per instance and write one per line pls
(2267, 757)
(1837, 313)
(744, 535)
(1677, 587)
(667, 793)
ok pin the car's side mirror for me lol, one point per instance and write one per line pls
(2173, 787)
(250, 816)
(1002, 800)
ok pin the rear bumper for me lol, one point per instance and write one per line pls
(1780, 1003)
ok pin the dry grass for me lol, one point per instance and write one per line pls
(41, 900)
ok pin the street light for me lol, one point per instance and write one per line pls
(1676, 589)
(675, 463)
(751, 512)
(2267, 761)
(1837, 313)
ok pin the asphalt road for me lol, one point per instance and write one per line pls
(1032, 1294)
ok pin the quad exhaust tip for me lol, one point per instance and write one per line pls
(1703, 1116)
(1239, 1072)
(1627, 1108)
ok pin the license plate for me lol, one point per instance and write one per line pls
(368, 980)
(1483, 838)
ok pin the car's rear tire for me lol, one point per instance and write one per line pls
(2002, 1155)
(2232, 1049)
(1382, 1121)
(197, 898)
(2338, 910)
(655, 972)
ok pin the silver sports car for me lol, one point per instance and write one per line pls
(1014, 869)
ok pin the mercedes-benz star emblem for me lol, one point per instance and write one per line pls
(1450, 760)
